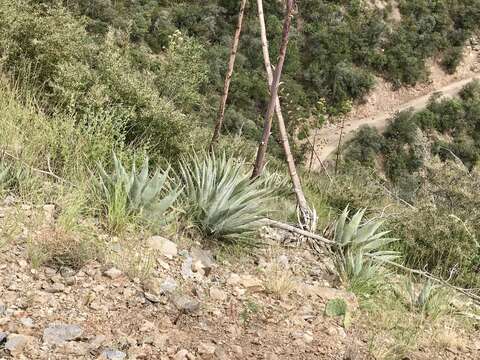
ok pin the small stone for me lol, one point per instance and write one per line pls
(307, 337)
(233, 279)
(157, 287)
(166, 247)
(3, 336)
(3, 308)
(113, 273)
(181, 355)
(220, 353)
(113, 355)
(206, 349)
(203, 259)
(27, 322)
(16, 343)
(185, 303)
(57, 334)
(237, 350)
(168, 285)
(217, 294)
(251, 282)
(97, 342)
(186, 271)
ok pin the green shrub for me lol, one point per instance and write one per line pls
(439, 242)
(365, 146)
(452, 58)
(220, 199)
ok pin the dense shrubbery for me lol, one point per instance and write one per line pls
(131, 54)
(431, 159)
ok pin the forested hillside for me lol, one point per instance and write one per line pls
(170, 57)
(126, 232)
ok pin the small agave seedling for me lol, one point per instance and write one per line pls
(142, 191)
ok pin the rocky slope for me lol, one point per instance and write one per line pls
(195, 304)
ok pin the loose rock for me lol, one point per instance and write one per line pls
(113, 273)
(217, 294)
(166, 247)
(113, 355)
(16, 343)
(185, 303)
(57, 334)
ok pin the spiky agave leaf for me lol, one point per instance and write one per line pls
(360, 247)
(220, 197)
(141, 192)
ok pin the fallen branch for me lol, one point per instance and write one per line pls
(48, 173)
(467, 292)
(280, 225)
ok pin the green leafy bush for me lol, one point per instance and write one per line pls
(220, 199)
(365, 146)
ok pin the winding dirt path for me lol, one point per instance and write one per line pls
(329, 135)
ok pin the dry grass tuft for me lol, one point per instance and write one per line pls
(53, 246)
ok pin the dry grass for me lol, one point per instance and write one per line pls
(53, 246)
(135, 260)
(279, 280)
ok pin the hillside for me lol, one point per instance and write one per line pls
(126, 233)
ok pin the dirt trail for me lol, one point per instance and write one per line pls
(330, 135)
(384, 101)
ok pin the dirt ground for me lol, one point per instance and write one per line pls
(194, 304)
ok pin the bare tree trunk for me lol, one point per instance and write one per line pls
(297, 186)
(228, 78)
(267, 125)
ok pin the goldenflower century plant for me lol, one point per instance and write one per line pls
(128, 193)
(360, 250)
(220, 199)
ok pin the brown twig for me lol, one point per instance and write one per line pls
(48, 173)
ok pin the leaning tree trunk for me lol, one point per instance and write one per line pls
(228, 77)
(267, 125)
(308, 216)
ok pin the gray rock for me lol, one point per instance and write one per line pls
(182, 355)
(158, 287)
(57, 334)
(204, 258)
(113, 273)
(3, 336)
(185, 303)
(186, 270)
(3, 308)
(27, 322)
(218, 294)
(166, 247)
(16, 343)
(168, 286)
(111, 354)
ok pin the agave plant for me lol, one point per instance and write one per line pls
(220, 198)
(133, 193)
(360, 248)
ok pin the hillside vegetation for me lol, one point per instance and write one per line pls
(107, 112)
